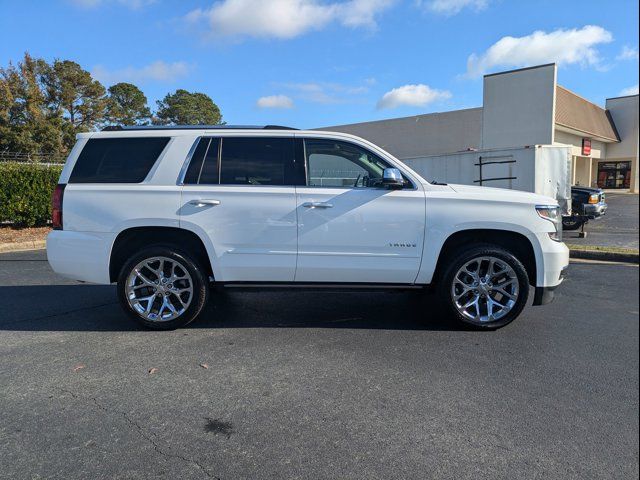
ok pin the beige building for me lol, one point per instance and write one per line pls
(520, 108)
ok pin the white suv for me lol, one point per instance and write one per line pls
(166, 211)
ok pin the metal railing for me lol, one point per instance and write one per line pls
(21, 157)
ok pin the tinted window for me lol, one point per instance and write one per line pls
(117, 160)
(210, 169)
(332, 163)
(258, 161)
(195, 164)
(197, 172)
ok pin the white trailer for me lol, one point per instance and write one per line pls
(542, 169)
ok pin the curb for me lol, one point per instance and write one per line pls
(605, 256)
(21, 246)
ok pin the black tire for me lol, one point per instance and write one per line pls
(200, 286)
(572, 223)
(461, 258)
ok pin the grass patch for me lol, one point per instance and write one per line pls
(600, 248)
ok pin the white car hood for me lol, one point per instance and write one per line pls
(502, 195)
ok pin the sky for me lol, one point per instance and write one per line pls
(314, 63)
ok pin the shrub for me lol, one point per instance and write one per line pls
(25, 192)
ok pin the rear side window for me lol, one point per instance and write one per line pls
(258, 161)
(245, 161)
(117, 160)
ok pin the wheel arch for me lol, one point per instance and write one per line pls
(133, 239)
(517, 243)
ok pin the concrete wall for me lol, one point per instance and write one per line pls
(624, 111)
(582, 172)
(421, 135)
(598, 149)
(519, 107)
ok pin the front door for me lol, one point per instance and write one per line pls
(240, 193)
(350, 228)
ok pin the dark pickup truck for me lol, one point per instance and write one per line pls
(586, 204)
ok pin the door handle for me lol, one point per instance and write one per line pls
(317, 205)
(205, 203)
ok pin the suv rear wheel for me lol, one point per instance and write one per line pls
(484, 286)
(162, 287)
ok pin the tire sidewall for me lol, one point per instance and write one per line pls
(479, 251)
(200, 287)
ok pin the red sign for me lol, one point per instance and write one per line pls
(586, 146)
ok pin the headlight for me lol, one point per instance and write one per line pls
(552, 213)
(593, 198)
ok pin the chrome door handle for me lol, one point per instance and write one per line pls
(204, 203)
(317, 205)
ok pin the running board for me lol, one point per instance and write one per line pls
(321, 286)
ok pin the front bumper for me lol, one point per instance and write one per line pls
(595, 210)
(544, 295)
(552, 261)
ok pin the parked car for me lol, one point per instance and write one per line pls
(164, 212)
(586, 204)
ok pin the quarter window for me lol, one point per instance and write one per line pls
(192, 176)
(117, 160)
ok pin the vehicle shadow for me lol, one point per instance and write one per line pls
(95, 308)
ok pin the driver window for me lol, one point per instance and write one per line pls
(332, 163)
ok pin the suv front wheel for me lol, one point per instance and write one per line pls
(162, 288)
(485, 286)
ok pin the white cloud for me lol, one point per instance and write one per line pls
(630, 90)
(275, 101)
(325, 92)
(628, 53)
(132, 4)
(284, 19)
(452, 7)
(560, 46)
(412, 95)
(157, 71)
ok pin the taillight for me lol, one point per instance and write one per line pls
(594, 198)
(56, 206)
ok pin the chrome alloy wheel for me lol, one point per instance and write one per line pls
(485, 289)
(159, 289)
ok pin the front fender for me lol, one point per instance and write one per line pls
(436, 237)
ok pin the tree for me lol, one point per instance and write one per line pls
(27, 125)
(186, 108)
(127, 105)
(74, 94)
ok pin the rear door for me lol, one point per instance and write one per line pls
(240, 191)
(350, 228)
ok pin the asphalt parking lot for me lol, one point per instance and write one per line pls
(316, 385)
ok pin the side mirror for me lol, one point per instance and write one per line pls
(392, 178)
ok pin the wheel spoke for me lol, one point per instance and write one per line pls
(143, 277)
(465, 291)
(502, 291)
(474, 300)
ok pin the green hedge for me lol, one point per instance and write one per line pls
(25, 192)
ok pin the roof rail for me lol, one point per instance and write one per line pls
(118, 128)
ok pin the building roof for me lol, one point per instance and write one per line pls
(576, 113)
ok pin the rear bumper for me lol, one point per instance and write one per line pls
(80, 255)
